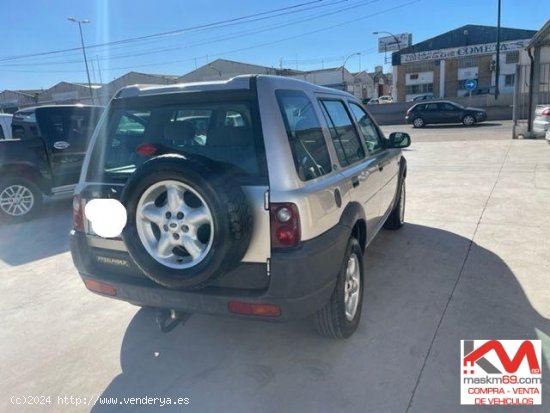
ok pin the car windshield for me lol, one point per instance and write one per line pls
(218, 132)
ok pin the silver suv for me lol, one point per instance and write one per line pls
(254, 197)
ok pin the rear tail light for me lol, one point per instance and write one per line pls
(100, 287)
(546, 112)
(78, 214)
(265, 310)
(285, 225)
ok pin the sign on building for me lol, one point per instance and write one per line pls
(391, 43)
(455, 52)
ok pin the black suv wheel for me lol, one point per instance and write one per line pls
(19, 199)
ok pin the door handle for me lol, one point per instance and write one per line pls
(61, 145)
(355, 181)
(364, 175)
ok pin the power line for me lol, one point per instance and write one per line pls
(168, 33)
(248, 47)
(217, 39)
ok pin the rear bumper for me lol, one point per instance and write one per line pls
(301, 281)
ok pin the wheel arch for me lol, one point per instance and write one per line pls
(354, 218)
(28, 172)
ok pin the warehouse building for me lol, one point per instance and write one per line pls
(443, 64)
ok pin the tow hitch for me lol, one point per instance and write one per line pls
(167, 320)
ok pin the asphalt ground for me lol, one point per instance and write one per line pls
(472, 262)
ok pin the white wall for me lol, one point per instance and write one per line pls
(423, 77)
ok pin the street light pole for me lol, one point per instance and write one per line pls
(74, 20)
(345, 61)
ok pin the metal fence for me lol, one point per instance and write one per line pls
(541, 95)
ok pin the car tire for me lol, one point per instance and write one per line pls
(468, 120)
(20, 200)
(396, 219)
(418, 123)
(339, 318)
(169, 246)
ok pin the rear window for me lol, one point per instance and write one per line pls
(220, 132)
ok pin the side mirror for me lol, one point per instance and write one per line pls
(399, 140)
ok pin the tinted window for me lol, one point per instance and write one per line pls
(195, 129)
(344, 136)
(2, 136)
(369, 131)
(447, 107)
(303, 129)
(73, 125)
(431, 107)
(17, 132)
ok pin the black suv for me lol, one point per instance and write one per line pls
(444, 111)
(44, 157)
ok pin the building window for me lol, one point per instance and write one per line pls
(512, 57)
(468, 61)
(413, 76)
(509, 80)
(421, 88)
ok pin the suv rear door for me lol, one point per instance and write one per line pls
(223, 127)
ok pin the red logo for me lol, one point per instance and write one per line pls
(511, 365)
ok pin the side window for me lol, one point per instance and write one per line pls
(371, 137)
(343, 133)
(447, 107)
(2, 136)
(432, 107)
(18, 132)
(303, 129)
(235, 119)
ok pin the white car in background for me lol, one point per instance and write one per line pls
(5, 126)
(381, 99)
(541, 125)
(385, 99)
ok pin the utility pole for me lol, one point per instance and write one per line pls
(497, 65)
(74, 20)
(99, 69)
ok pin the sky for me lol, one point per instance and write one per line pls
(174, 37)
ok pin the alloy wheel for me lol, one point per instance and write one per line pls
(16, 200)
(174, 224)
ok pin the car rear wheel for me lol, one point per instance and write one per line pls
(340, 317)
(418, 123)
(19, 200)
(468, 120)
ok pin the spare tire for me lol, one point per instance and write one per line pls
(188, 222)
